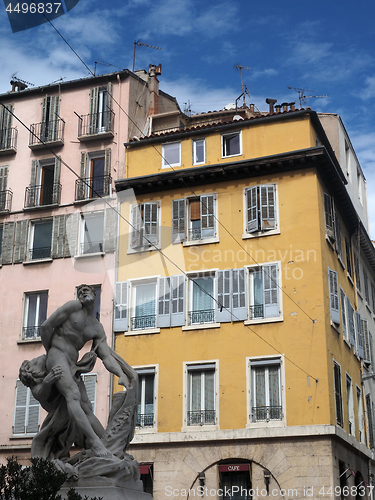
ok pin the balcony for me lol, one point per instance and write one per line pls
(266, 413)
(39, 253)
(8, 141)
(31, 333)
(47, 134)
(91, 247)
(145, 420)
(201, 417)
(96, 126)
(39, 196)
(93, 187)
(6, 200)
(201, 317)
(256, 311)
(143, 322)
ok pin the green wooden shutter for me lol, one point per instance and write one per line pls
(33, 180)
(366, 341)
(93, 110)
(108, 111)
(56, 181)
(20, 410)
(358, 330)
(82, 187)
(350, 311)
(8, 243)
(20, 245)
(3, 179)
(58, 236)
(5, 126)
(53, 128)
(151, 223)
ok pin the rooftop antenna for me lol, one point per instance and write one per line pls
(244, 88)
(104, 63)
(140, 44)
(302, 96)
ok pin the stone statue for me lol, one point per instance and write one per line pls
(55, 381)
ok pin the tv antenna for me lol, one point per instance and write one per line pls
(244, 88)
(19, 83)
(104, 63)
(302, 96)
(140, 44)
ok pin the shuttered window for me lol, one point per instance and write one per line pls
(145, 225)
(264, 292)
(344, 315)
(27, 410)
(5, 126)
(329, 216)
(338, 394)
(261, 208)
(194, 219)
(366, 341)
(334, 296)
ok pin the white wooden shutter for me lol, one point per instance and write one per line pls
(366, 341)
(56, 181)
(8, 243)
(71, 234)
(252, 209)
(121, 309)
(94, 93)
(150, 223)
(89, 380)
(350, 311)
(223, 294)
(343, 314)
(136, 229)
(328, 215)
(334, 296)
(271, 291)
(164, 302)
(208, 216)
(3, 179)
(110, 230)
(58, 236)
(268, 207)
(19, 426)
(178, 300)
(358, 329)
(54, 109)
(5, 126)
(178, 220)
(20, 245)
(239, 303)
(33, 412)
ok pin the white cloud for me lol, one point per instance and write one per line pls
(369, 90)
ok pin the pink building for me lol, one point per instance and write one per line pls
(61, 150)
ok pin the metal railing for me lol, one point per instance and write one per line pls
(195, 234)
(31, 332)
(91, 247)
(51, 131)
(6, 200)
(201, 417)
(200, 317)
(266, 413)
(8, 139)
(145, 420)
(36, 196)
(92, 187)
(256, 311)
(39, 253)
(96, 123)
(143, 322)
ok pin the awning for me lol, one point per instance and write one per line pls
(234, 467)
(144, 469)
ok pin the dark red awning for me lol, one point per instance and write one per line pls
(144, 469)
(234, 467)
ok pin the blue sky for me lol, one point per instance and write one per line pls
(326, 47)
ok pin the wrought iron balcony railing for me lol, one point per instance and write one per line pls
(145, 420)
(8, 140)
(200, 317)
(143, 322)
(201, 417)
(51, 133)
(93, 187)
(266, 413)
(6, 200)
(91, 247)
(31, 332)
(256, 311)
(39, 253)
(36, 196)
(96, 123)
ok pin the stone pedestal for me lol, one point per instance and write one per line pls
(107, 493)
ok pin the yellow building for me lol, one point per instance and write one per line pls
(236, 302)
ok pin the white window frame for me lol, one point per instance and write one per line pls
(206, 240)
(189, 299)
(185, 405)
(164, 152)
(81, 239)
(93, 155)
(133, 283)
(350, 404)
(145, 247)
(34, 223)
(250, 390)
(361, 423)
(260, 232)
(27, 296)
(30, 402)
(250, 294)
(150, 369)
(195, 141)
(227, 135)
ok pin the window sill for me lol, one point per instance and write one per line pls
(146, 430)
(41, 207)
(341, 261)
(264, 423)
(335, 327)
(368, 308)
(202, 326)
(205, 241)
(263, 320)
(200, 428)
(259, 234)
(350, 279)
(359, 293)
(133, 251)
(330, 242)
(22, 436)
(29, 341)
(37, 261)
(87, 255)
(142, 332)
(172, 165)
(347, 342)
(232, 156)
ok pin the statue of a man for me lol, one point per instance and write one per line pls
(63, 335)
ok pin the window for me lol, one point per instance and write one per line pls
(334, 296)
(40, 240)
(367, 355)
(348, 257)
(329, 216)
(266, 398)
(100, 119)
(6, 126)
(145, 225)
(199, 151)
(345, 331)
(260, 208)
(171, 154)
(27, 409)
(357, 273)
(231, 144)
(359, 336)
(143, 306)
(264, 297)
(235, 481)
(350, 405)
(146, 397)
(90, 381)
(92, 233)
(201, 220)
(201, 394)
(4, 193)
(146, 472)
(1, 240)
(360, 415)
(50, 118)
(202, 303)
(338, 239)
(350, 314)
(35, 312)
(366, 287)
(338, 393)
(95, 175)
(45, 187)
(369, 411)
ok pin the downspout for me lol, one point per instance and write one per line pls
(118, 125)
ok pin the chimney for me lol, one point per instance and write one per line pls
(153, 85)
(16, 84)
(271, 102)
(285, 106)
